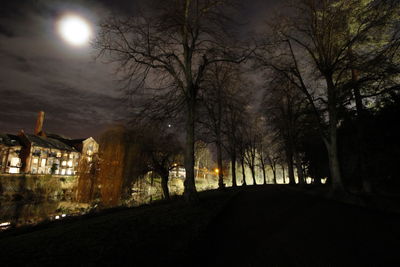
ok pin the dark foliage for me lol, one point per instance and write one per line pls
(382, 147)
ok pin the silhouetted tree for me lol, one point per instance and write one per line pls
(314, 55)
(234, 116)
(164, 153)
(223, 101)
(170, 49)
(252, 139)
(284, 107)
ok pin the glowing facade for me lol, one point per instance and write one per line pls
(42, 153)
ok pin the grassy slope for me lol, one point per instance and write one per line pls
(146, 235)
(272, 224)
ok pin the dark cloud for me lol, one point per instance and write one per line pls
(6, 32)
(40, 72)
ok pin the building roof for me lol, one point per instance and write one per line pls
(65, 139)
(9, 139)
(75, 143)
(48, 142)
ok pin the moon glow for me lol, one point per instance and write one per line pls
(74, 30)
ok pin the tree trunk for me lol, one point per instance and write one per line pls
(274, 173)
(362, 154)
(233, 167)
(331, 144)
(243, 172)
(299, 168)
(219, 160)
(190, 192)
(289, 162)
(253, 175)
(334, 168)
(263, 171)
(164, 185)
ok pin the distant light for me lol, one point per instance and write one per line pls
(5, 224)
(169, 125)
(216, 170)
(74, 29)
(57, 217)
(63, 215)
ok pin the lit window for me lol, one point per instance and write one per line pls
(57, 171)
(65, 155)
(43, 163)
(35, 161)
(63, 172)
(58, 154)
(34, 170)
(69, 172)
(64, 163)
(70, 163)
(13, 170)
(71, 156)
(15, 162)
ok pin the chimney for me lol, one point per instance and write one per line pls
(39, 123)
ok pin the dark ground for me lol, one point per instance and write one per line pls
(259, 226)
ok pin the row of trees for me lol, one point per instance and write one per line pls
(338, 54)
(181, 62)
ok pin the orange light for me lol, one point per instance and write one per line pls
(216, 170)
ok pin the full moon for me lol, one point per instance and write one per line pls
(74, 29)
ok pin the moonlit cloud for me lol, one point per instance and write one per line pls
(40, 71)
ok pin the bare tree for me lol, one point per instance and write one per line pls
(241, 152)
(164, 154)
(285, 107)
(252, 140)
(234, 120)
(171, 48)
(263, 159)
(223, 99)
(314, 55)
(213, 100)
(273, 159)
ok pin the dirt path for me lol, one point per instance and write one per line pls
(270, 226)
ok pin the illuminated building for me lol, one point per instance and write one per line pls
(42, 153)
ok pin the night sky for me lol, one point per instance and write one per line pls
(40, 71)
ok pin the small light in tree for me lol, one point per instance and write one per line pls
(216, 170)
